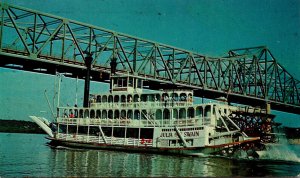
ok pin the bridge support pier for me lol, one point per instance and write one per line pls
(88, 64)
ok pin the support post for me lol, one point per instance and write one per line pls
(113, 68)
(88, 64)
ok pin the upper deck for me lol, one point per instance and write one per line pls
(127, 92)
(126, 104)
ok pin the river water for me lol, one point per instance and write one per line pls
(29, 155)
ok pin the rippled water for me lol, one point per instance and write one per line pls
(28, 155)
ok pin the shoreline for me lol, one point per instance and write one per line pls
(19, 126)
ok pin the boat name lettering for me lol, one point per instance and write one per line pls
(191, 134)
(185, 134)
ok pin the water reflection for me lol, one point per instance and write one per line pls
(69, 162)
(28, 155)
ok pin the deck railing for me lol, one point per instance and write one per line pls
(141, 104)
(109, 140)
(131, 122)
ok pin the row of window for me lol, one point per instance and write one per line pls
(137, 114)
(183, 129)
(142, 97)
(119, 132)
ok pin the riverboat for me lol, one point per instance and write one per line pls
(165, 121)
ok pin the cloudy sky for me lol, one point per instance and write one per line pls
(209, 27)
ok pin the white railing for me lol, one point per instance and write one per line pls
(133, 122)
(109, 140)
(141, 104)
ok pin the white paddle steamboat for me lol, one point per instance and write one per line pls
(165, 121)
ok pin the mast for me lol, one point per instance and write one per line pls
(58, 91)
(76, 90)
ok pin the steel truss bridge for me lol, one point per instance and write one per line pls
(40, 42)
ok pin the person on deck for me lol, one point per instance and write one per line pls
(71, 115)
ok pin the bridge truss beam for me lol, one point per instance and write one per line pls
(37, 40)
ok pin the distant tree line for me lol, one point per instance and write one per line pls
(17, 126)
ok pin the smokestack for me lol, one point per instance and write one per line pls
(88, 64)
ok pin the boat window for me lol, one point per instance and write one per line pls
(72, 129)
(158, 114)
(175, 114)
(92, 114)
(129, 98)
(65, 114)
(146, 133)
(183, 97)
(136, 98)
(199, 111)
(116, 98)
(130, 82)
(165, 96)
(110, 98)
(115, 82)
(156, 98)
(104, 114)
(174, 96)
(124, 82)
(139, 83)
(166, 114)
(98, 114)
(120, 82)
(104, 98)
(137, 114)
(144, 97)
(86, 113)
(119, 132)
(81, 113)
(76, 113)
(110, 114)
(83, 129)
(94, 131)
(207, 111)
(107, 131)
(132, 133)
(123, 114)
(123, 98)
(98, 98)
(117, 114)
(191, 113)
(182, 113)
(214, 110)
(129, 114)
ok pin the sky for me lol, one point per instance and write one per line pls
(208, 27)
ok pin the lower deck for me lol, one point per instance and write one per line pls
(167, 137)
(130, 148)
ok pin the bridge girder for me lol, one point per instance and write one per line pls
(42, 40)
